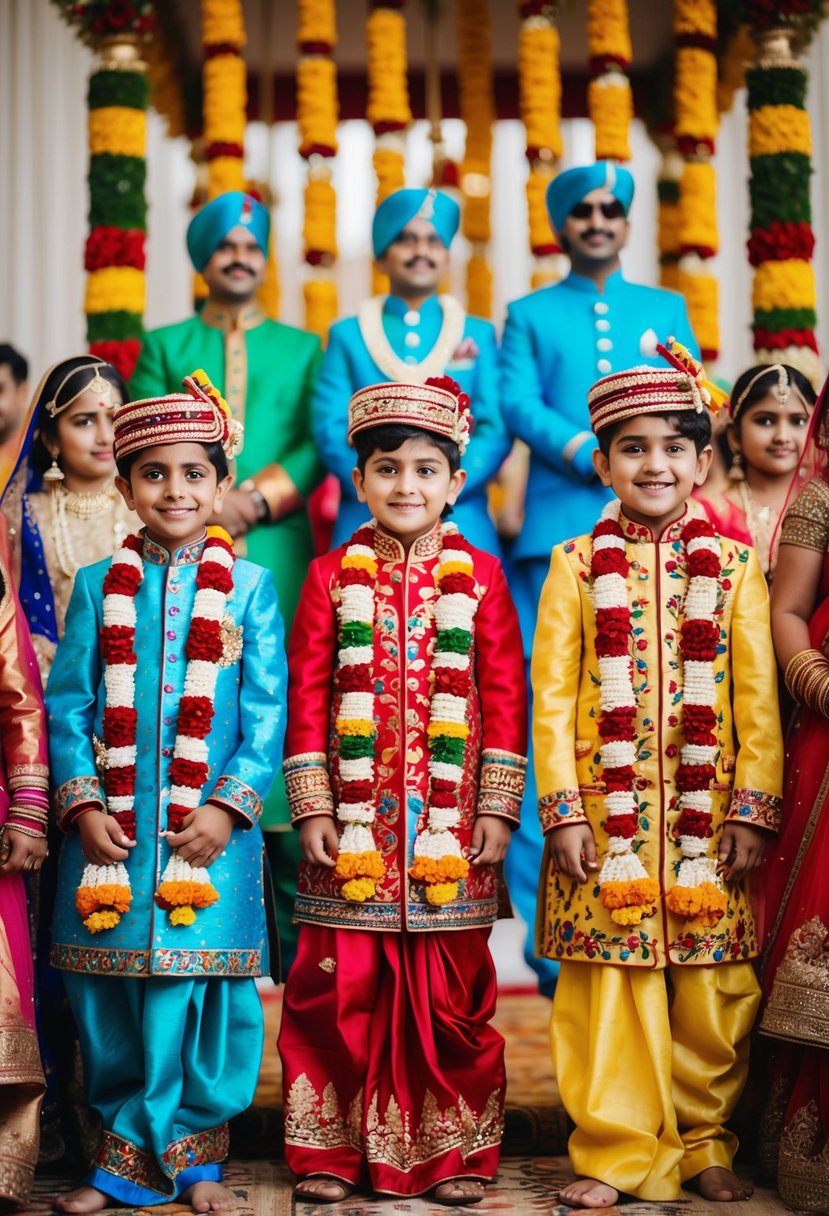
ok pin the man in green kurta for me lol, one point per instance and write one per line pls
(266, 372)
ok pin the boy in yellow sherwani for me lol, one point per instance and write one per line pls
(658, 757)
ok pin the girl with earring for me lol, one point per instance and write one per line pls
(61, 503)
(769, 417)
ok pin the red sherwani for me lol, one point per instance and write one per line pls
(392, 1075)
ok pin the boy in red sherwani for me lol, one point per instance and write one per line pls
(405, 769)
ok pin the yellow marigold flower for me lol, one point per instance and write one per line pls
(775, 129)
(355, 726)
(223, 22)
(701, 293)
(388, 90)
(177, 894)
(225, 173)
(611, 109)
(479, 286)
(389, 167)
(358, 890)
(182, 916)
(641, 892)
(787, 284)
(116, 289)
(225, 98)
(540, 231)
(117, 131)
(219, 533)
(110, 895)
(321, 306)
(101, 920)
(608, 29)
(317, 22)
(360, 865)
(698, 206)
(439, 869)
(695, 17)
(454, 730)
(695, 93)
(454, 567)
(539, 83)
(668, 227)
(705, 904)
(317, 109)
(359, 561)
(441, 893)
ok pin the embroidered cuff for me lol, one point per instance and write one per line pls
(70, 796)
(756, 808)
(240, 798)
(559, 809)
(28, 776)
(503, 775)
(308, 786)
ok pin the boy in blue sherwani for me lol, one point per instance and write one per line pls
(166, 716)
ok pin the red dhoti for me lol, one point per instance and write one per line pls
(392, 1076)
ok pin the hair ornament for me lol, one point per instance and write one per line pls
(98, 384)
(781, 390)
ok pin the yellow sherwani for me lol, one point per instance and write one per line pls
(649, 1113)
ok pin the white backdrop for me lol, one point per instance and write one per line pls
(43, 199)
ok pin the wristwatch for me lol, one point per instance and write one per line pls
(263, 511)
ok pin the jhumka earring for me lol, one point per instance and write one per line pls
(54, 473)
(737, 472)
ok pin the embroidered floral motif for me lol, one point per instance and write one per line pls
(559, 808)
(200, 1148)
(503, 776)
(126, 1160)
(232, 641)
(244, 800)
(756, 807)
(316, 1121)
(165, 961)
(73, 793)
(398, 1140)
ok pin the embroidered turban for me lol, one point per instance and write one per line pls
(395, 212)
(438, 405)
(209, 227)
(654, 390)
(571, 186)
(198, 415)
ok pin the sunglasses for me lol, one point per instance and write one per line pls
(612, 210)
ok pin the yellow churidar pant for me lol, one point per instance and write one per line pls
(650, 1064)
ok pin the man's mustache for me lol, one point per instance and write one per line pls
(585, 236)
(412, 262)
(238, 266)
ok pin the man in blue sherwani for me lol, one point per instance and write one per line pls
(409, 335)
(557, 342)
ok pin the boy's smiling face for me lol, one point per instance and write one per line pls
(407, 489)
(174, 489)
(652, 469)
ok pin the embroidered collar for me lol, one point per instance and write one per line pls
(217, 317)
(370, 322)
(643, 534)
(390, 548)
(156, 555)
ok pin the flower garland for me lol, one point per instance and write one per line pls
(668, 228)
(317, 113)
(781, 243)
(477, 109)
(438, 862)
(609, 96)
(224, 105)
(96, 19)
(387, 108)
(697, 122)
(626, 889)
(114, 257)
(539, 88)
(105, 892)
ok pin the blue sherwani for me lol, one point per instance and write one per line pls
(348, 366)
(557, 343)
(135, 988)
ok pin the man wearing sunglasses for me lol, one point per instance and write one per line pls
(557, 342)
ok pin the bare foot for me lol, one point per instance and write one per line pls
(721, 1185)
(83, 1199)
(320, 1188)
(211, 1197)
(588, 1193)
(456, 1192)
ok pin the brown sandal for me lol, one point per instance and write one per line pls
(315, 1197)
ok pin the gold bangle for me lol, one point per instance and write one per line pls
(801, 670)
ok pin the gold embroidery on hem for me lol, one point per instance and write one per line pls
(312, 1121)
(803, 1162)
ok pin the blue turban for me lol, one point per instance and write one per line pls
(394, 213)
(209, 227)
(571, 187)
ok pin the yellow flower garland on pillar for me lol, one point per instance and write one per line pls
(317, 116)
(668, 224)
(697, 123)
(609, 96)
(477, 109)
(387, 108)
(539, 85)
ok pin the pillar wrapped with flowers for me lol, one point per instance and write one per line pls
(317, 114)
(696, 126)
(781, 242)
(539, 92)
(668, 219)
(387, 110)
(477, 109)
(609, 96)
(114, 255)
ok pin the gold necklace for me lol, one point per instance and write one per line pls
(760, 521)
(81, 506)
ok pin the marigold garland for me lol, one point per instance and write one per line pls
(627, 891)
(668, 227)
(780, 147)
(387, 105)
(539, 90)
(104, 894)
(696, 125)
(609, 96)
(317, 116)
(477, 109)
